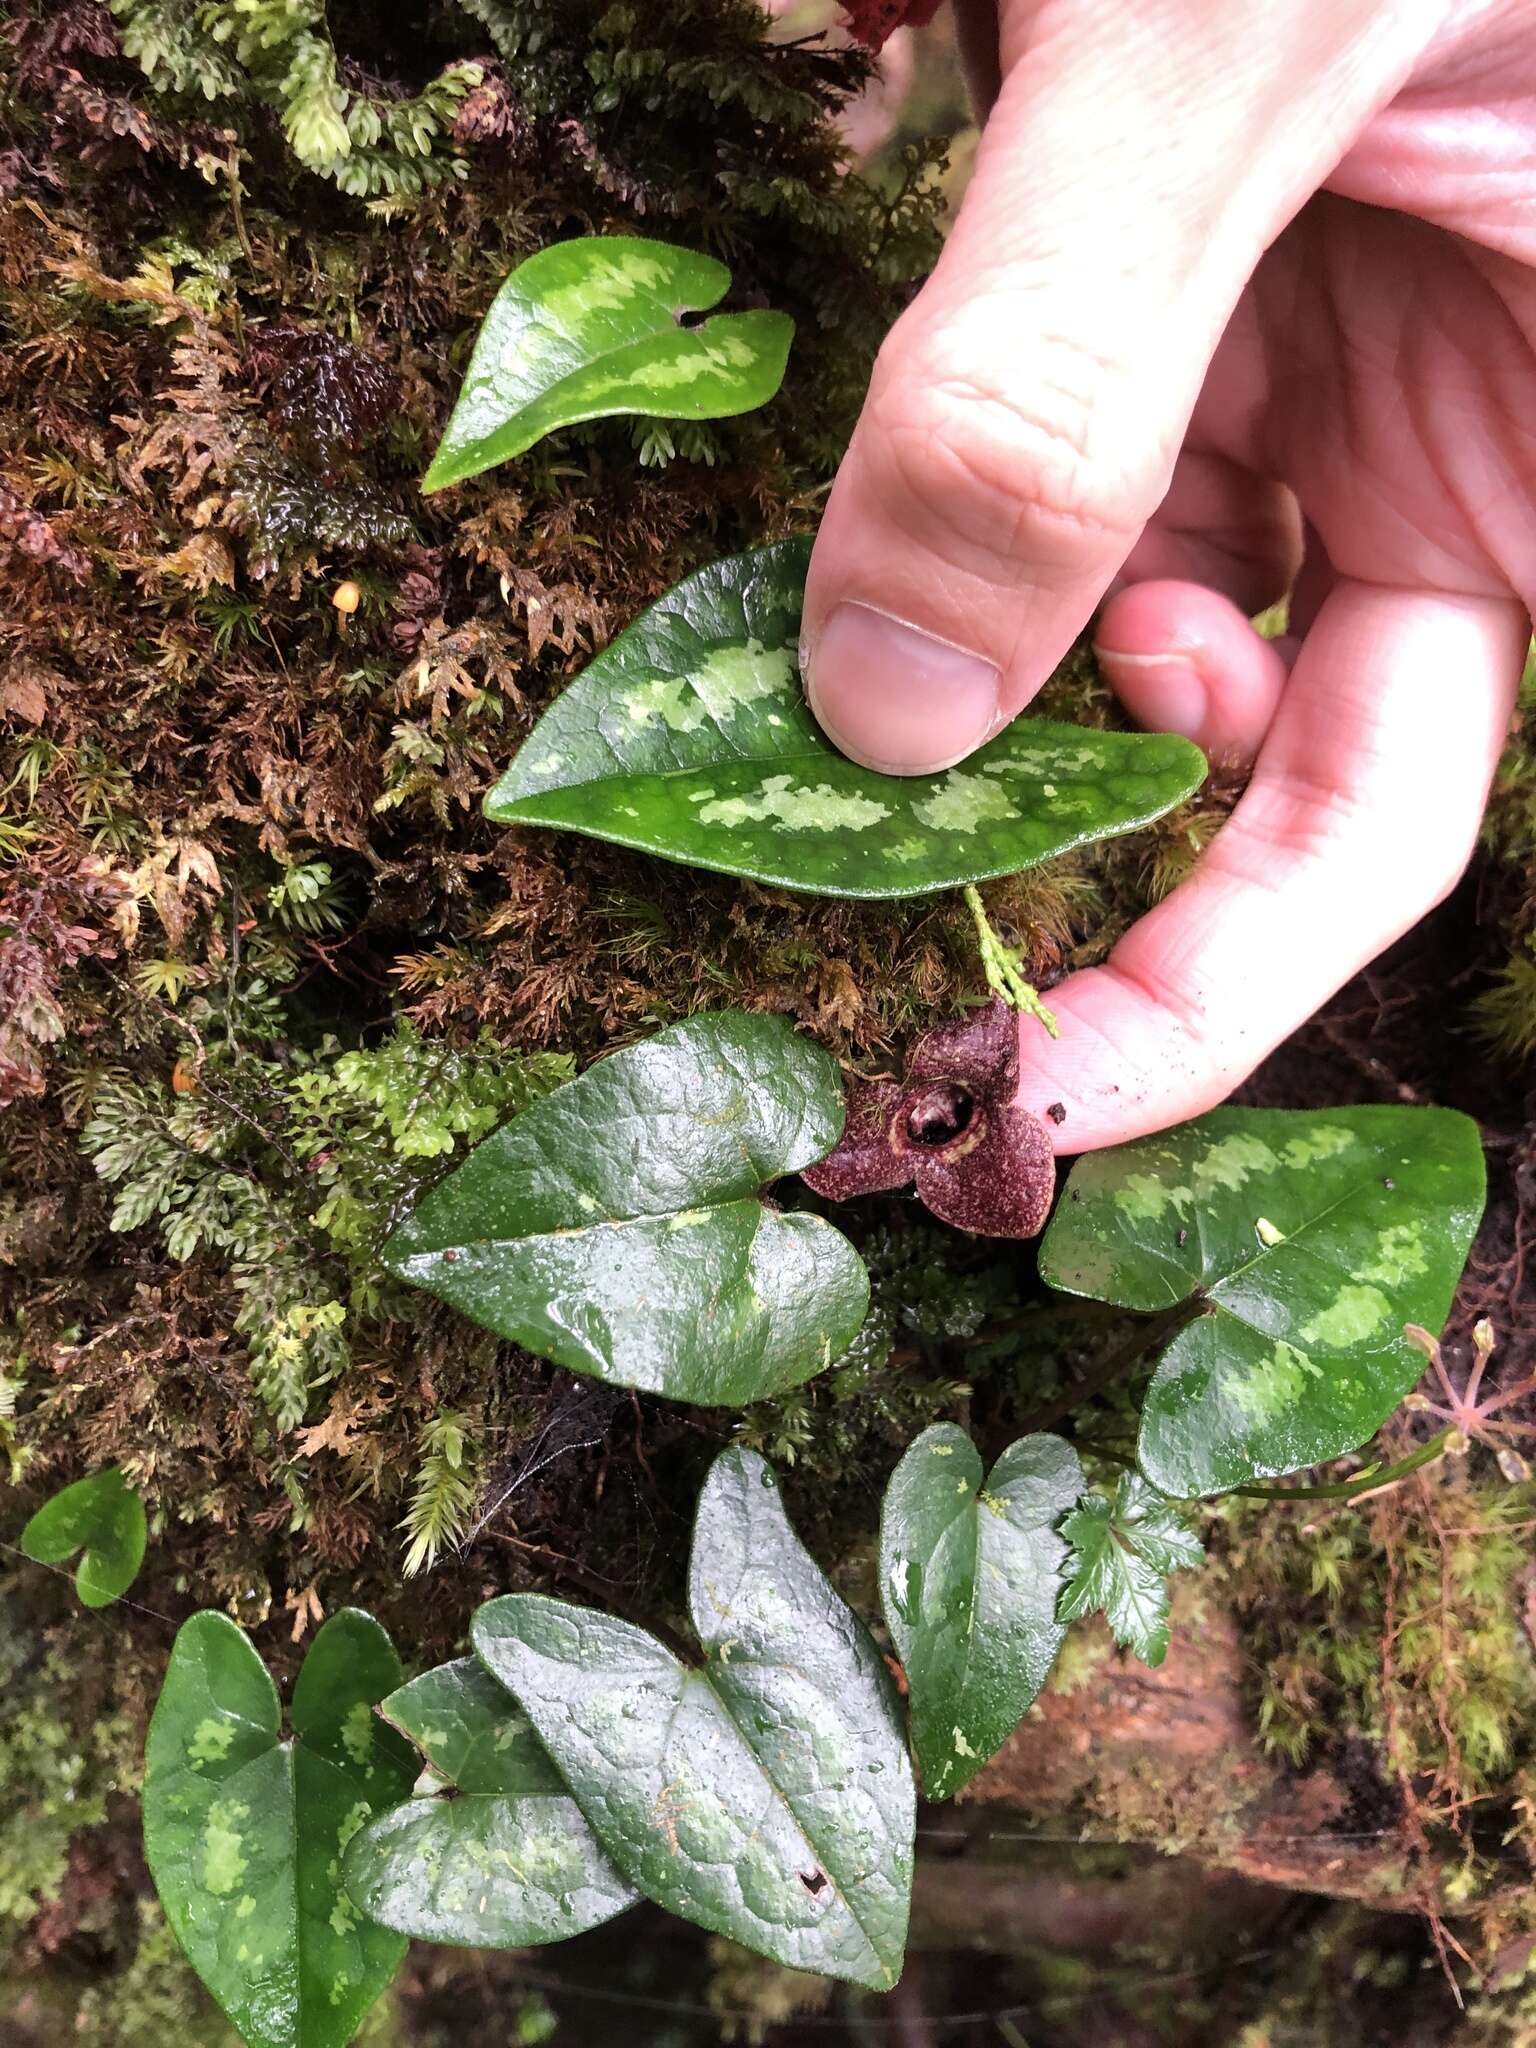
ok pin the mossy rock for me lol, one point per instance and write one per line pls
(265, 970)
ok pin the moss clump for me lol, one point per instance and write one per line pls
(1504, 1010)
(263, 967)
(752, 1996)
(1388, 1640)
(52, 1787)
(152, 1997)
(929, 1291)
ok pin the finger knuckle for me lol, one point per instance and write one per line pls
(1008, 468)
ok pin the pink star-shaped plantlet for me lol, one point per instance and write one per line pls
(1472, 1413)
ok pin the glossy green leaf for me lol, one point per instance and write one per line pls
(101, 1517)
(617, 1226)
(767, 1796)
(1311, 1237)
(589, 328)
(495, 1853)
(969, 1576)
(245, 1831)
(689, 737)
(1122, 1552)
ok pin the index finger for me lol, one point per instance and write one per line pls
(1362, 813)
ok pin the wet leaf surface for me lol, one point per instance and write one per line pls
(590, 328)
(496, 1854)
(689, 737)
(245, 1831)
(767, 1796)
(1310, 1237)
(101, 1517)
(1122, 1552)
(618, 1228)
(969, 1578)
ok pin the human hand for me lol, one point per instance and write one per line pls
(1237, 289)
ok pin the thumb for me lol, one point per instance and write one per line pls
(1025, 412)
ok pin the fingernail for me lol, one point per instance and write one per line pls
(1166, 690)
(895, 698)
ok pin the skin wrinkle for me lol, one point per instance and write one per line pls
(1006, 497)
(1321, 820)
(1510, 377)
(1425, 408)
(1456, 143)
(1223, 525)
(1323, 356)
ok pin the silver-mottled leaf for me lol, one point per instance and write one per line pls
(589, 328)
(768, 1796)
(618, 1226)
(494, 1853)
(689, 736)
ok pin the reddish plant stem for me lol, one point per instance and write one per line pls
(1156, 1330)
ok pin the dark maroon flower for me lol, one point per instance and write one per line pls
(952, 1126)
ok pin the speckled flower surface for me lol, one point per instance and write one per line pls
(951, 1125)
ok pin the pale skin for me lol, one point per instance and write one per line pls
(1240, 289)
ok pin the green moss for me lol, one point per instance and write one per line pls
(52, 1784)
(931, 1292)
(751, 1996)
(1087, 1649)
(153, 1998)
(278, 54)
(287, 1169)
(1396, 1623)
(1504, 1013)
(1501, 2011)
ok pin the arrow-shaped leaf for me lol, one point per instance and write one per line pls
(618, 1227)
(589, 328)
(1306, 1239)
(496, 1853)
(969, 1578)
(767, 1796)
(245, 1832)
(103, 1518)
(689, 736)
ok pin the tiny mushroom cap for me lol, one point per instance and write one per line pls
(346, 597)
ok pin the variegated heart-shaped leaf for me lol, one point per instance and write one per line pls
(593, 327)
(766, 1795)
(690, 737)
(1303, 1241)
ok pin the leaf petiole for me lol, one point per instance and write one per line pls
(1371, 1481)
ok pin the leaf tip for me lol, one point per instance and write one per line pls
(441, 473)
